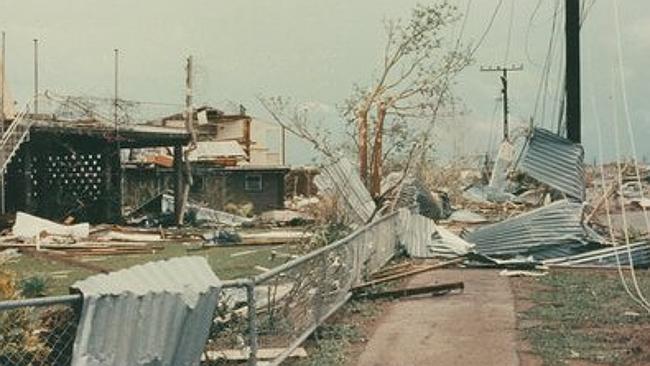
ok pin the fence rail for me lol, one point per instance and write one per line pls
(282, 306)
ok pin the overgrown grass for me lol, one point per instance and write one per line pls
(587, 315)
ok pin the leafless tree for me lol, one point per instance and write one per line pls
(394, 114)
(413, 84)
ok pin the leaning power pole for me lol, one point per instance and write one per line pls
(572, 70)
(504, 91)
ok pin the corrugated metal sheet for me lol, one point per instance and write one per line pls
(422, 238)
(158, 313)
(341, 181)
(559, 223)
(555, 161)
(640, 253)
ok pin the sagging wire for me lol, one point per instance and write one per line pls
(603, 183)
(626, 109)
(639, 298)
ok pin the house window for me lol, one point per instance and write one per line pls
(253, 183)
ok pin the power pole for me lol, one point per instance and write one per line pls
(35, 76)
(572, 71)
(2, 92)
(2, 124)
(504, 90)
(116, 75)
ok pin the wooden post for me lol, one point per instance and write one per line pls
(28, 183)
(178, 184)
(112, 179)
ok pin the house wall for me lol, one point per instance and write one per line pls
(56, 177)
(213, 186)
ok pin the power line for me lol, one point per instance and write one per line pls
(488, 28)
(509, 39)
(530, 25)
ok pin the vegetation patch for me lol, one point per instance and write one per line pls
(584, 315)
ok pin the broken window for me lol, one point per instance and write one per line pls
(253, 183)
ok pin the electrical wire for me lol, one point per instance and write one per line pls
(488, 28)
(543, 83)
(530, 25)
(603, 184)
(509, 38)
(628, 120)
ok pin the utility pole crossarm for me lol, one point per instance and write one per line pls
(504, 90)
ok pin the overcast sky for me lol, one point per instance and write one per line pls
(314, 51)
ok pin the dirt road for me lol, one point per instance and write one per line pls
(476, 327)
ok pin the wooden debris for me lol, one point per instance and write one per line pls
(434, 290)
(601, 201)
(242, 355)
(409, 273)
(57, 257)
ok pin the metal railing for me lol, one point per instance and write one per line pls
(278, 309)
(14, 136)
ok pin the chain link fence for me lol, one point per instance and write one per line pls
(38, 332)
(277, 310)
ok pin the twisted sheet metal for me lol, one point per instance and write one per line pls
(640, 253)
(555, 161)
(557, 224)
(422, 238)
(341, 181)
(158, 313)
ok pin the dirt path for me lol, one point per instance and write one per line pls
(476, 327)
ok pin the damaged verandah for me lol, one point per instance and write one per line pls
(74, 169)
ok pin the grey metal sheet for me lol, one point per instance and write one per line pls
(557, 224)
(422, 238)
(639, 252)
(341, 180)
(158, 313)
(555, 161)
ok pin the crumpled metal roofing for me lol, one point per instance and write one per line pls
(559, 223)
(422, 238)
(555, 161)
(606, 257)
(158, 313)
(341, 180)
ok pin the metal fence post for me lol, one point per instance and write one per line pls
(252, 323)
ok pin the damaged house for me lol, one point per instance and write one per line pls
(231, 165)
(85, 168)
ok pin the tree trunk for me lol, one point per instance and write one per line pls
(363, 145)
(375, 180)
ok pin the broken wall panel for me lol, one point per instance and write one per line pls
(158, 313)
(559, 223)
(555, 161)
(341, 180)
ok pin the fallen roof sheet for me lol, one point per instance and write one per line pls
(341, 181)
(640, 253)
(559, 223)
(158, 313)
(422, 238)
(555, 161)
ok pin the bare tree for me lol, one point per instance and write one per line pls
(395, 113)
(413, 84)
